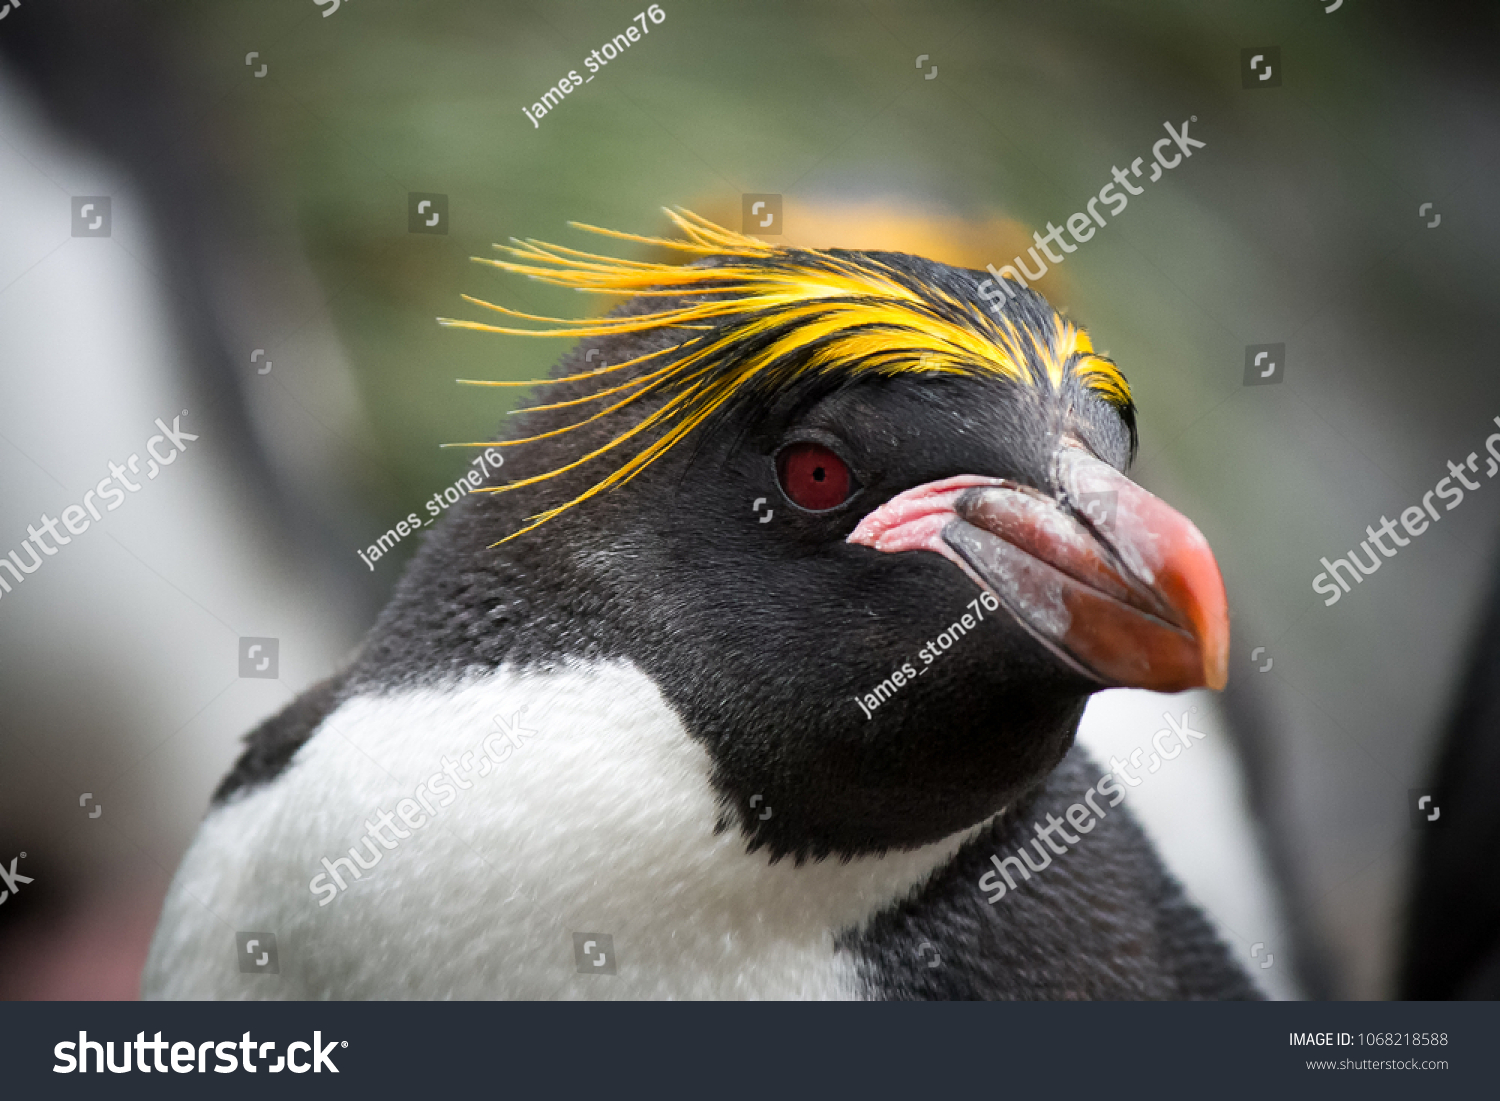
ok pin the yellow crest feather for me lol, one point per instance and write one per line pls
(822, 311)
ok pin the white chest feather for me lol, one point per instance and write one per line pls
(486, 836)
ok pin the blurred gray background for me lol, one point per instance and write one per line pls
(270, 213)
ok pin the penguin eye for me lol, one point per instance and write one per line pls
(813, 477)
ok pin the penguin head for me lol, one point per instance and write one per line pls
(863, 518)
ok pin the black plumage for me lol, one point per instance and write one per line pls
(1451, 946)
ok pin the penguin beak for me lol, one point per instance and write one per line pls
(1115, 582)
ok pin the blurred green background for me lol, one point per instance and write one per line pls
(1297, 224)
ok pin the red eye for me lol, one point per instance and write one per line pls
(813, 476)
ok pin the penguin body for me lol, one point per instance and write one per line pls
(637, 735)
(604, 820)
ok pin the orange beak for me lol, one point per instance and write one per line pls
(1113, 580)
